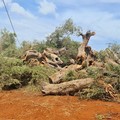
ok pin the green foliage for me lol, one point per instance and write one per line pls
(71, 75)
(112, 52)
(13, 74)
(115, 69)
(8, 44)
(8, 83)
(61, 33)
(39, 46)
(11, 52)
(101, 56)
(6, 64)
(41, 73)
(26, 45)
(116, 84)
(82, 74)
(94, 72)
(72, 49)
(115, 47)
(95, 91)
(36, 45)
(7, 39)
(6, 78)
(22, 73)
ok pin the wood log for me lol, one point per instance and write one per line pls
(70, 87)
(31, 54)
(58, 76)
(53, 58)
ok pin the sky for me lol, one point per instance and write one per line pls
(36, 19)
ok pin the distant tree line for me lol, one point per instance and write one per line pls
(61, 37)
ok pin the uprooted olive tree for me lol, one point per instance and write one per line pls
(85, 58)
(73, 68)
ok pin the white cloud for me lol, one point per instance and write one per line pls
(103, 22)
(16, 8)
(31, 29)
(6, 2)
(47, 7)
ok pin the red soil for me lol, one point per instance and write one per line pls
(18, 105)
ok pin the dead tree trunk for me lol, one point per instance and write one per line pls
(82, 55)
(70, 87)
(58, 76)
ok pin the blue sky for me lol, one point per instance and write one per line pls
(36, 19)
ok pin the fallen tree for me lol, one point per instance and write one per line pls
(70, 87)
(58, 76)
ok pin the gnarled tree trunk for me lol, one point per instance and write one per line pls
(70, 87)
(84, 50)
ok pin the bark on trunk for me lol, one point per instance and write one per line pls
(58, 76)
(70, 87)
(82, 55)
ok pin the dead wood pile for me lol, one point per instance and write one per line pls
(48, 57)
(86, 57)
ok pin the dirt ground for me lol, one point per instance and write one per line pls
(19, 105)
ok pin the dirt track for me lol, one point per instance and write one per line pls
(17, 105)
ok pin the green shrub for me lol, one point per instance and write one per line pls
(95, 91)
(113, 68)
(41, 73)
(82, 74)
(22, 73)
(12, 69)
(8, 83)
(101, 56)
(71, 75)
(94, 72)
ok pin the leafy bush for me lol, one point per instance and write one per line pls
(13, 73)
(8, 83)
(71, 75)
(22, 73)
(41, 73)
(101, 56)
(95, 91)
(94, 72)
(113, 68)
